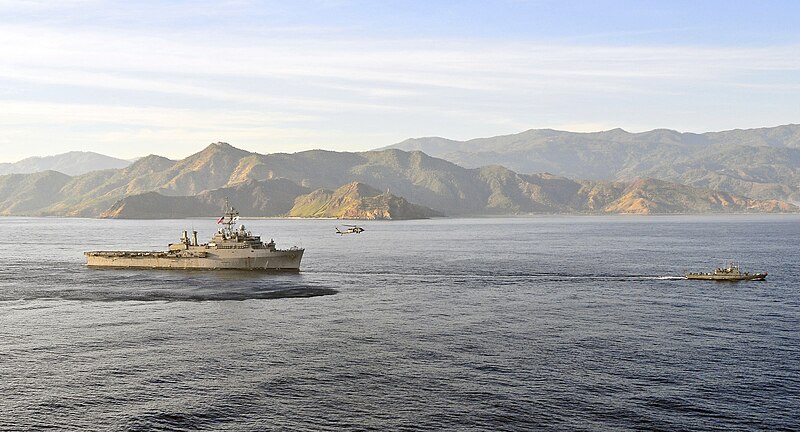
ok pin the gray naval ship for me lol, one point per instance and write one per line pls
(230, 248)
(730, 273)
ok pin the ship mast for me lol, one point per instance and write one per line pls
(231, 216)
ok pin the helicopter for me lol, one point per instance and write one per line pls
(354, 229)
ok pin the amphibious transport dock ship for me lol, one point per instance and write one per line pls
(730, 273)
(236, 249)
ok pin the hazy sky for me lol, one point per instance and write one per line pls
(132, 78)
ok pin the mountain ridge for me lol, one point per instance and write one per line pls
(269, 184)
(358, 201)
(70, 163)
(762, 163)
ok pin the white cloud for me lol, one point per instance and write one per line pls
(467, 65)
(297, 89)
(14, 112)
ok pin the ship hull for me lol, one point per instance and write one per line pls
(757, 276)
(278, 260)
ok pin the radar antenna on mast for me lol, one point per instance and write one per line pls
(229, 218)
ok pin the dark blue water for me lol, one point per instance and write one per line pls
(478, 324)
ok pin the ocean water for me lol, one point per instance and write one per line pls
(546, 323)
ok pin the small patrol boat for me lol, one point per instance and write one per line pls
(230, 248)
(730, 273)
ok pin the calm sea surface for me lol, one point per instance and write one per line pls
(551, 323)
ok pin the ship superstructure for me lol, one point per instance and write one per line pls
(730, 273)
(230, 248)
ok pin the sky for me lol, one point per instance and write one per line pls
(128, 79)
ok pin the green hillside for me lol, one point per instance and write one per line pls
(357, 201)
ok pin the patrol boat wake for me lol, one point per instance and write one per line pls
(235, 249)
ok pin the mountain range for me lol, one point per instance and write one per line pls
(320, 183)
(759, 163)
(70, 163)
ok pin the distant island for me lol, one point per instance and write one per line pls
(398, 184)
